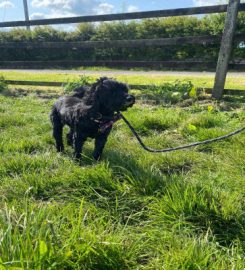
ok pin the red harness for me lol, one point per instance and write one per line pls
(105, 124)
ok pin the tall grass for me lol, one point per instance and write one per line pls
(132, 210)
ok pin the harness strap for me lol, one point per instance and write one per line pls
(105, 124)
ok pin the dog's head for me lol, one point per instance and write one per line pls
(113, 96)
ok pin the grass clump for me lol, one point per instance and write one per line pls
(83, 80)
(171, 92)
(3, 85)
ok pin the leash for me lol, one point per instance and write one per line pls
(178, 147)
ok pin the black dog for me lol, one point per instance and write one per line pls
(90, 112)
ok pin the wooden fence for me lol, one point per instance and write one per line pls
(207, 90)
(221, 66)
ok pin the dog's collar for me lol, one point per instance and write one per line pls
(106, 122)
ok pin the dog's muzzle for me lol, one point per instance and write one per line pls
(130, 100)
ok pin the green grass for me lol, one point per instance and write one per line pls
(232, 82)
(132, 210)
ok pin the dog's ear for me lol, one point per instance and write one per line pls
(102, 79)
(92, 98)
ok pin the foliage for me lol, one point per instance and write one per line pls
(84, 32)
(83, 80)
(142, 29)
(171, 92)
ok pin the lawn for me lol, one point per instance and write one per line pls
(234, 81)
(133, 209)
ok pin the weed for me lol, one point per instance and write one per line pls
(172, 92)
(83, 80)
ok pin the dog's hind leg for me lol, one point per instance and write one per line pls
(79, 140)
(69, 137)
(57, 130)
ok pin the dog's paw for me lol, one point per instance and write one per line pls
(60, 148)
(70, 143)
(77, 156)
(96, 156)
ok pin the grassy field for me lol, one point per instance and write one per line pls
(133, 209)
(233, 81)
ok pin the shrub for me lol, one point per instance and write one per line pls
(83, 80)
(172, 92)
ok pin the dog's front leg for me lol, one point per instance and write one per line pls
(100, 142)
(79, 140)
(69, 137)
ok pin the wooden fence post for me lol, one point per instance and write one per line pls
(225, 49)
(26, 14)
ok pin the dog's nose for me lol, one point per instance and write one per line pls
(130, 99)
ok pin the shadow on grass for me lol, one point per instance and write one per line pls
(118, 184)
(124, 168)
(234, 99)
(20, 92)
(201, 209)
(225, 229)
(146, 180)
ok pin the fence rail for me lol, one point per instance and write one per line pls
(140, 87)
(221, 67)
(124, 16)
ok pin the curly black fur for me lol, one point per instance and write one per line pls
(80, 91)
(84, 110)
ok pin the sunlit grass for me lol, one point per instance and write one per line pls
(133, 209)
(233, 81)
